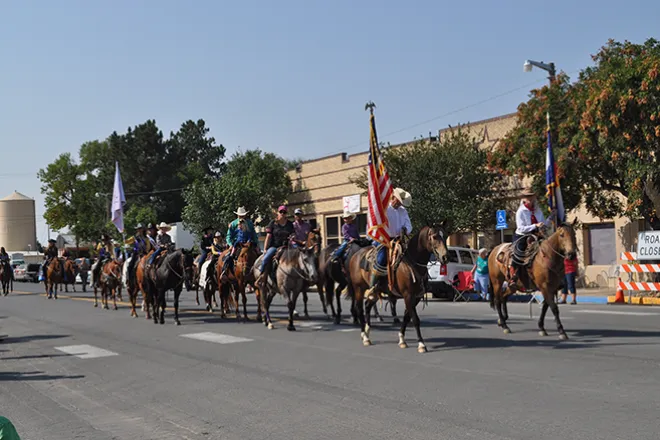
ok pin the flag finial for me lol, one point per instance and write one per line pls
(370, 106)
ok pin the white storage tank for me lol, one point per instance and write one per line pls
(18, 223)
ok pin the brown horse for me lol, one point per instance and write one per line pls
(314, 242)
(144, 285)
(54, 276)
(241, 277)
(109, 280)
(546, 272)
(70, 272)
(407, 280)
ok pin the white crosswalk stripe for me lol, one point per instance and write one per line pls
(86, 351)
(216, 338)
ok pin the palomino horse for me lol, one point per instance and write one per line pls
(297, 267)
(314, 241)
(241, 278)
(546, 272)
(53, 277)
(6, 278)
(407, 281)
(109, 280)
(175, 270)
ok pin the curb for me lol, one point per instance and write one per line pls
(636, 300)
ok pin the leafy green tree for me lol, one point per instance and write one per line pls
(447, 178)
(253, 179)
(605, 131)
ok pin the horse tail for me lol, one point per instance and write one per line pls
(491, 295)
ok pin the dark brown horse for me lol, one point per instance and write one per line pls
(6, 277)
(546, 272)
(407, 280)
(314, 242)
(173, 271)
(54, 276)
(242, 277)
(70, 272)
(109, 281)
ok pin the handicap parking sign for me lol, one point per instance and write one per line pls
(501, 220)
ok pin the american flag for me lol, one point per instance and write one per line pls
(555, 200)
(379, 192)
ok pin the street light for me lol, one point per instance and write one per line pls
(550, 68)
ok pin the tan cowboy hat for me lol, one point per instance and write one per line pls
(241, 211)
(348, 215)
(402, 196)
(165, 226)
(527, 192)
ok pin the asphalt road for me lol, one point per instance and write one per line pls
(71, 371)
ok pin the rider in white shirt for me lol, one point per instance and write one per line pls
(398, 225)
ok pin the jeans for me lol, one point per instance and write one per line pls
(339, 252)
(481, 283)
(381, 256)
(154, 255)
(268, 256)
(569, 285)
(202, 256)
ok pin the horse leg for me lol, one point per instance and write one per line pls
(359, 309)
(555, 311)
(197, 293)
(268, 300)
(114, 299)
(241, 289)
(291, 303)
(337, 293)
(236, 295)
(305, 302)
(421, 346)
(501, 319)
(162, 304)
(177, 294)
(402, 329)
(544, 309)
(505, 308)
(319, 288)
(369, 303)
(396, 319)
(257, 294)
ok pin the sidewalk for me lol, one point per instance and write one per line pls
(601, 295)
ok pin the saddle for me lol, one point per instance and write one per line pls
(509, 253)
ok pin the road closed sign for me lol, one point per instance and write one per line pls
(648, 245)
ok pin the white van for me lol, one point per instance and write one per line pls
(441, 276)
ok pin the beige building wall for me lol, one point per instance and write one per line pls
(320, 185)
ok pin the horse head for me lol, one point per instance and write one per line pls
(436, 241)
(566, 240)
(307, 263)
(187, 260)
(314, 240)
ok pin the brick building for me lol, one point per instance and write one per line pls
(322, 188)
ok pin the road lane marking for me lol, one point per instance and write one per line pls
(216, 338)
(617, 312)
(86, 351)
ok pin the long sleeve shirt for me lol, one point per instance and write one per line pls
(350, 231)
(247, 235)
(163, 240)
(524, 224)
(302, 229)
(398, 219)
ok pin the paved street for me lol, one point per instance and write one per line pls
(70, 371)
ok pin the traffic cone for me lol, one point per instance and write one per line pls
(619, 298)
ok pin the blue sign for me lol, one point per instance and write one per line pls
(501, 220)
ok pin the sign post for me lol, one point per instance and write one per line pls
(501, 224)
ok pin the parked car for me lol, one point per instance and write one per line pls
(27, 272)
(441, 276)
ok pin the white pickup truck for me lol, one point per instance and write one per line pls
(441, 276)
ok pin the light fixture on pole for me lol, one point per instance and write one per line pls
(550, 68)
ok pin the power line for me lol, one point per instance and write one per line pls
(444, 115)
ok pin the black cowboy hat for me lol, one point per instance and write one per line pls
(52, 240)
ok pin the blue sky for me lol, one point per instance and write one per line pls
(290, 76)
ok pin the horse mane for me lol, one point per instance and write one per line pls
(413, 248)
(290, 255)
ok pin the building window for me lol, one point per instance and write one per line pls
(602, 244)
(312, 223)
(362, 224)
(332, 230)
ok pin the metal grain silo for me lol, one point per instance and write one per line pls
(18, 223)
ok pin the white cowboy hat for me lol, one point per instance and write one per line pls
(241, 211)
(348, 215)
(165, 226)
(402, 196)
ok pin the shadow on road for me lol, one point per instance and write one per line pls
(614, 333)
(32, 375)
(35, 356)
(28, 338)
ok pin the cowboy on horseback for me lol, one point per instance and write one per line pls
(105, 250)
(163, 242)
(49, 253)
(205, 245)
(529, 222)
(350, 232)
(278, 234)
(141, 246)
(301, 228)
(240, 232)
(399, 226)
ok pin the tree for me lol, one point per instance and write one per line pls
(605, 131)
(448, 179)
(253, 179)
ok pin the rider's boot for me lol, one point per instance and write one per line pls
(373, 283)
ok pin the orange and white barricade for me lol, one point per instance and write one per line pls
(632, 268)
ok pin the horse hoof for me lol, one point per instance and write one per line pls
(543, 333)
(291, 328)
(106, 307)
(270, 326)
(307, 316)
(380, 319)
(499, 322)
(397, 321)
(259, 319)
(295, 313)
(96, 305)
(563, 336)
(507, 331)
(403, 345)
(162, 322)
(422, 349)
(366, 343)
(115, 307)
(177, 322)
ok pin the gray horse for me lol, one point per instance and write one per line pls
(295, 271)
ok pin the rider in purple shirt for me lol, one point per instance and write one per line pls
(301, 227)
(349, 231)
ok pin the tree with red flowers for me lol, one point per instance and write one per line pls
(605, 131)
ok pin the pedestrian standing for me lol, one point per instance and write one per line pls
(480, 274)
(570, 272)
